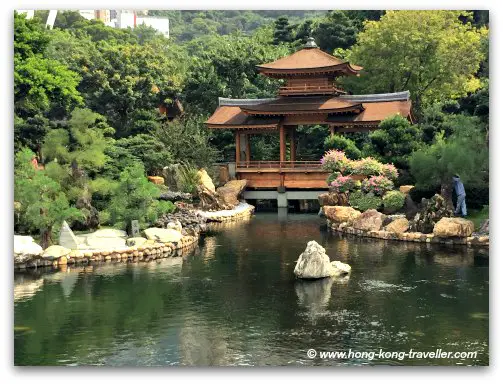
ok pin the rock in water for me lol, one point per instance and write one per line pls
(66, 237)
(314, 263)
(453, 227)
(340, 214)
(205, 180)
(370, 220)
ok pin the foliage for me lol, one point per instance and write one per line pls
(393, 200)
(188, 139)
(43, 205)
(389, 171)
(336, 30)
(378, 185)
(343, 143)
(465, 153)
(367, 166)
(394, 141)
(149, 150)
(282, 31)
(343, 184)
(188, 178)
(364, 201)
(135, 198)
(335, 161)
(225, 66)
(431, 53)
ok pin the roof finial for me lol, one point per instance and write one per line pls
(310, 43)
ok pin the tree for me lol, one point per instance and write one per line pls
(431, 53)
(188, 140)
(225, 66)
(465, 154)
(394, 141)
(44, 206)
(344, 144)
(282, 31)
(336, 30)
(135, 198)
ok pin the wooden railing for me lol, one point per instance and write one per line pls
(278, 165)
(309, 89)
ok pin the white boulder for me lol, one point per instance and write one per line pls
(55, 252)
(24, 248)
(314, 263)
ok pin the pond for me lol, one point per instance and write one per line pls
(234, 301)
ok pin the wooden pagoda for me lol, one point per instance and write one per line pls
(309, 96)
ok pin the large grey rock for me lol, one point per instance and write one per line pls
(163, 235)
(25, 248)
(66, 237)
(314, 263)
(170, 174)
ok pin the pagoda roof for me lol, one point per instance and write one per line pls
(338, 110)
(309, 60)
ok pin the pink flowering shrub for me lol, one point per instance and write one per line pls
(343, 184)
(378, 185)
(367, 166)
(335, 161)
(389, 171)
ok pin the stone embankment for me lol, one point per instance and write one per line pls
(373, 224)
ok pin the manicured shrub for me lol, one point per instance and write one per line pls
(343, 184)
(378, 185)
(335, 161)
(393, 200)
(389, 171)
(367, 166)
(364, 201)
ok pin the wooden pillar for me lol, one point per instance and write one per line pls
(292, 143)
(238, 146)
(281, 142)
(332, 130)
(248, 148)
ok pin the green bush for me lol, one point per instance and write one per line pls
(393, 200)
(364, 201)
(165, 207)
(345, 144)
(188, 178)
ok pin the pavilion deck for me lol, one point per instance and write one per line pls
(287, 174)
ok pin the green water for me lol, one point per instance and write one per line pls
(234, 301)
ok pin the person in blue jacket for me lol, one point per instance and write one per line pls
(459, 189)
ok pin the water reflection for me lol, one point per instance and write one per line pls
(234, 301)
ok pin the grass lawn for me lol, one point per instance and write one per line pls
(478, 217)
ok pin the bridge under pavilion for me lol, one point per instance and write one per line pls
(308, 97)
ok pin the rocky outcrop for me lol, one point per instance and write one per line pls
(189, 220)
(370, 220)
(55, 252)
(340, 214)
(484, 228)
(170, 174)
(163, 235)
(205, 180)
(400, 225)
(231, 192)
(25, 248)
(405, 189)
(333, 198)
(453, 227)
(175, 196)
(430, 213)
(158, 180)
(314, 263)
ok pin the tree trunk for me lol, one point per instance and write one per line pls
(45, 238)
(446, 193)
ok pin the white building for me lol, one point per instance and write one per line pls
(132, 19)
